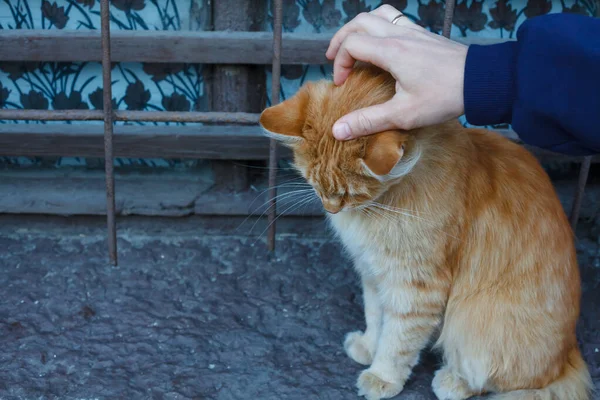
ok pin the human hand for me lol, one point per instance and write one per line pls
(428, 68)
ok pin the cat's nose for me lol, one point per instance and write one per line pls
(332, 208)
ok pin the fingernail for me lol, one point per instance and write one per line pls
(341, 131)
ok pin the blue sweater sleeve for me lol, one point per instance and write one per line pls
(546, 84)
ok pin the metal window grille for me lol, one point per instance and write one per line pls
(108, 115)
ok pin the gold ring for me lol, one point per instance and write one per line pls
(397, 18)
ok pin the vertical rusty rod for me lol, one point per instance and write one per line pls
(108, 131)
(275, 86)
(448, 15)
(578, 197)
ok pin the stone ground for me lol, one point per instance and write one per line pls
(195, 310)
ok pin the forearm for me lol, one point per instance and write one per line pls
(545, 84)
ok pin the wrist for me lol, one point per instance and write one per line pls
(488, 83)
(459, 99)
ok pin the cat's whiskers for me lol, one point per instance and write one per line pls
(407, 210)
(384, 208)
(280, 196)
(288, 196)
(304, 200)
(381, 214)
(397, 209)
(308, 203)
(293, 181)
(384, 220)
(408, 213)
(282, 185)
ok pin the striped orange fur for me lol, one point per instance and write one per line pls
(458, 237)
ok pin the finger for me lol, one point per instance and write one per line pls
(366, 121)
(362, 23)
(358, 47)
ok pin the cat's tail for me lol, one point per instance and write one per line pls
(574, 384)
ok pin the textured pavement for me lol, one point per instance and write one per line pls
(195, 310)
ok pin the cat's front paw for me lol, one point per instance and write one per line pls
(357, 348)
(373, 387)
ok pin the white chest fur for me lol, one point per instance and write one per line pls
(380, 245)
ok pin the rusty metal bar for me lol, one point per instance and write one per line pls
(275, 86)
(448, 15)
(151, 116)
(52, 115)
(578, 196)
(108, 131)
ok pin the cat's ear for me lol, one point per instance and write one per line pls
(383, 153)
(284, 122)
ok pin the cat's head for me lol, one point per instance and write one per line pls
(347, 174)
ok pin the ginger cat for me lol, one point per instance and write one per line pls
(455, 232)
